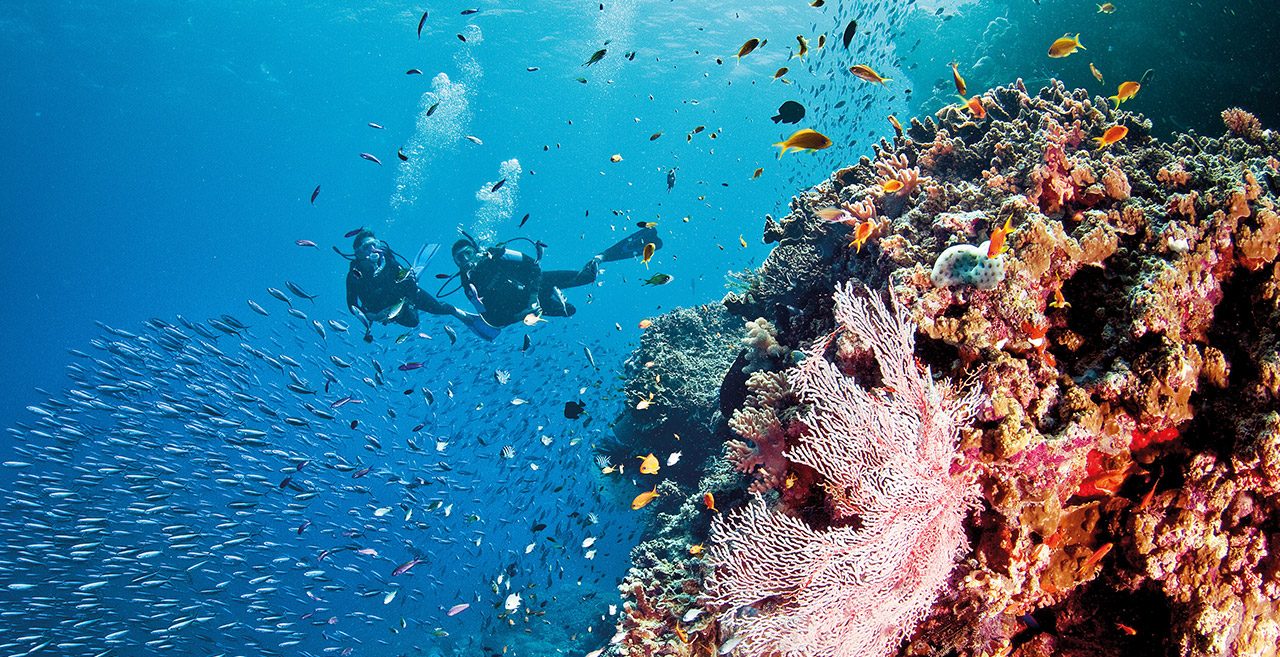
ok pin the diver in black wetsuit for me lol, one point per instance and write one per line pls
(381, 289)
(506, 286)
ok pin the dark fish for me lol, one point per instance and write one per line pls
(595, 57)
(371, 158)
(453, 337)
(305, 243)
(303, 527)
(789, 112)
(526, 218)
(355, 423)
(462, 38)
(419, 427)
(654, 136)
(432, 110)
(539, 527)
(352, 233)
(468, 12)
(444, 276)
(413, 71)
(360, 473)
(850, 30)
(573, 410)
(671, 179)
(527, 343)
(497, 185)
(315, 194)
(531, 69)
(400, 154)
(421, 22)
(410, 366)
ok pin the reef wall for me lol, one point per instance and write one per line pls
(1127, 450)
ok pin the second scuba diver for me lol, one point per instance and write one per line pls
(507, 286)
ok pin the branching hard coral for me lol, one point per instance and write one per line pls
(1242, 124)
(897, 508)
(897, 167)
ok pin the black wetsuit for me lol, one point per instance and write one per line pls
(507, 284)
(375, 294)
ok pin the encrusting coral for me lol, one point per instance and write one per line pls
(1127, 455)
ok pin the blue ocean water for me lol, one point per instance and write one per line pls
(160, 162)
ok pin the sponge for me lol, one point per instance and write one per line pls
(965, 263)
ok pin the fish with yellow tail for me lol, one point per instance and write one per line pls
(648, 253)
(1065, 46)
(644, 498)
(955, 73)
(648, 464)
(1126, 91)
(867, 73)
(804, 140)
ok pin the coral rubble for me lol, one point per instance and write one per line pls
(1128, 451)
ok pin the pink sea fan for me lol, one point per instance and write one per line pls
(859, 587)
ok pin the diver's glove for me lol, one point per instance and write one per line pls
(589, 272)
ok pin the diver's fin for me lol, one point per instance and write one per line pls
(632, 246)
(484, 329)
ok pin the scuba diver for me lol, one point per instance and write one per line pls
(381, 289)
(506, 286)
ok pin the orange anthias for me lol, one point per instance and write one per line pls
(861, 234)
(892, 186)
(998, 238)
(710, 501)
(644, 498)
(1127, 90)
(974, 105)
(867, 73)
(1113, 134)
(648, 464)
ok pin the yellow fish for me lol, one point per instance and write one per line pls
(780, 72)
(891, 186)
(955, 73)
(1065, 46)
(1096, 73)
(742, 241)
(804, 46)
(644, 498)
(747, 47)
(1127, 90)
(1106, 9)
(866, 73)
(695, 550)
(804, 140)
(648, 253)
(648, 464)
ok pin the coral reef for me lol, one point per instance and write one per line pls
(1127, 455)
(682, 361)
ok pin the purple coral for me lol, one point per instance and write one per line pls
(858, 587)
